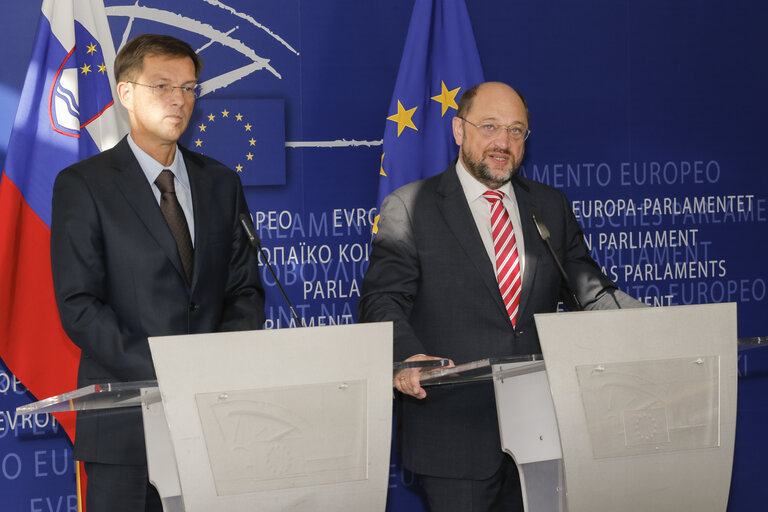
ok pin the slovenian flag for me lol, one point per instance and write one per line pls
(66, 113)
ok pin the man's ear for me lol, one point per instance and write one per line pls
(125, 95)
(458, 131)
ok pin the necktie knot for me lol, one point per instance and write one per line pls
(493, 196)
(164, 182)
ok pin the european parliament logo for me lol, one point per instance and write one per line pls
(244, 56)
(247, 135)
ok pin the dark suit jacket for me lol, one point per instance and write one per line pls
(430, 274)
(118, 279)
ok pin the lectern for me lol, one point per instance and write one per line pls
(293, 419)
(630, 410)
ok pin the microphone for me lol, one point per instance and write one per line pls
(544, 233)
(250, 232)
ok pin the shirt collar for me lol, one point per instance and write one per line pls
(152, 168)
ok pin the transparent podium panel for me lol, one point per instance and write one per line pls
(481, 370)
(97, 396)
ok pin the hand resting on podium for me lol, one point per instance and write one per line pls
(408, 380)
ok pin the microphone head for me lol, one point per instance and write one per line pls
(250, 231)
(543, 231)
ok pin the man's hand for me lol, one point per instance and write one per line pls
(408, 380)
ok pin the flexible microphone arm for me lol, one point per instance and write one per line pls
(544, 233)
(250, 232)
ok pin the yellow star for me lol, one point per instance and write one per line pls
(446, 98)
(239, 168)
(85, 69)
(239, 117)
(252, 141)
(102, 68)
(381, 169)
(225, 113)
(202, 127)
(376, 224)
(403, 118)
(198, 143)
(91, 49)
(248, 127)
(249, 156)
(211, 117)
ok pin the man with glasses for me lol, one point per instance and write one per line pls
(459, 267)
(145, 241)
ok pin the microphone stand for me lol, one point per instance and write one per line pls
(250, 232)
(544, 233)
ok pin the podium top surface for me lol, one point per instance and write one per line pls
(97, 396)
(483, 370)
(129, 394)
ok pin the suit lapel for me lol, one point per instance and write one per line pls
(138, 193)
(200, 182)
(455, 210)
(526, 207)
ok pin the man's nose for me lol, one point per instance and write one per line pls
(177, 95)
(503, 138)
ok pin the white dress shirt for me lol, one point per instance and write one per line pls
(481, 212)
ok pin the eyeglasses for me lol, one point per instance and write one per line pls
(167, 90)
(490, 130)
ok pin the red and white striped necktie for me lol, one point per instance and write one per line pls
(507, 260)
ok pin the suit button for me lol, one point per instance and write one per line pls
(193, 306)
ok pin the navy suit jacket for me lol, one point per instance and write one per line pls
(431, 275)
(118, 279)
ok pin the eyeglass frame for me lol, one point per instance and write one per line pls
(160, 89)
(508, 129)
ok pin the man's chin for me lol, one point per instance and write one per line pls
(500, 176)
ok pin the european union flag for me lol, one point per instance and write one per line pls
(440, 62)
(246, 135)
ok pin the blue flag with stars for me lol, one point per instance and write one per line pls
(246, 135)
(440, 62)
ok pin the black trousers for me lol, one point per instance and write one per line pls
(499, 493)
(119, 488)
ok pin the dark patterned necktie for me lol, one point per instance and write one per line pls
(507, 260)
(174, 216)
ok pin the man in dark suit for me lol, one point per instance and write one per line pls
(433, 272)
(146, 241)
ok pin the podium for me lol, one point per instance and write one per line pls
(293, 419)
(630, 410)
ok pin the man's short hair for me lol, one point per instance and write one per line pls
(465, 102)
(130, 59)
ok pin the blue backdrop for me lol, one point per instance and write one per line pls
(648, 113)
